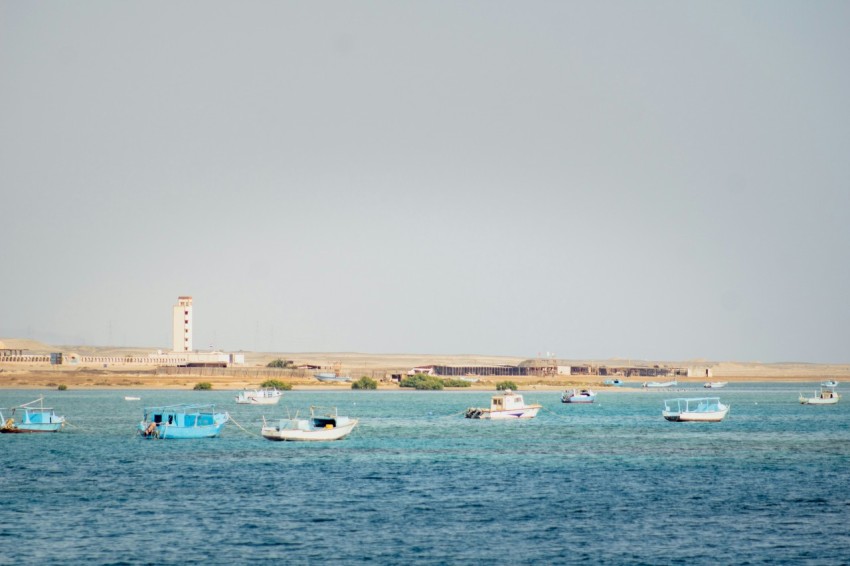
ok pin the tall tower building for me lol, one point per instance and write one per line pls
(182, 325)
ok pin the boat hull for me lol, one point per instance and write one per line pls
(818, 401)
(696, 417)
(314, 435)
(171, 432)
(508, 414)
(46, 427)
(716, 384)
(658, 385)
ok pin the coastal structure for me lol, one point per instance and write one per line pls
(181, 321)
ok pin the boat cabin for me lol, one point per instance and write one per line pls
(508, 401)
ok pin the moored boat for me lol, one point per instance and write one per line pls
(660, 384)
(615, 381)
(578, 396)
(826, 396)
(327, 425)
(829, 383)
(698, 409)
(507, 405)
(182, 421)
(31, 418)
(265, 396)
(715, 384)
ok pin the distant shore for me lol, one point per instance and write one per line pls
(82, 378)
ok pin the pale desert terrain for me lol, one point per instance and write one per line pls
(378, 366)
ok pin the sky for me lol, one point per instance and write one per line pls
(591, 180)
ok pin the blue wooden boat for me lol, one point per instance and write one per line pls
(32, 418)
(182, 421)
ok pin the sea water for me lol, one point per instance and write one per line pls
(609, 483)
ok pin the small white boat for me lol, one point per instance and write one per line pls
(507, 405)
(715, 384)
(326, 426)
(829, 383)
(128, 398)
(827, 396)
(699, 409)
(659, 384)
(578, 396)
(268, 396)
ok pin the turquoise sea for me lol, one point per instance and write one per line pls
(608, 483)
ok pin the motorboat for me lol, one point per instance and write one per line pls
(829, 383)
(826, 396)
(131, 398)
(698, 409)
(324, 424)
(715, 384)
(660, 384)
(182, 421)
(265, 396)
(615, 381)
(31, 418)
(578, 396)
(506, 405)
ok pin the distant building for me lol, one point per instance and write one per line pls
(182, 325)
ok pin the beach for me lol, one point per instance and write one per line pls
(379, 367)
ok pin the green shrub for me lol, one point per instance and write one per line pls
(282, 364)
(62, 387)
(277, 384)
(365, 383)
(502, 385)
(456, 383)
(421, 381)
(203, 386)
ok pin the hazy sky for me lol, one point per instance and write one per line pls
(653, 180)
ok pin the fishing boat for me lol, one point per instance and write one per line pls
(660, 384)
(324, 424)
(826, 396)
(507, 405)
(699, 409)
(829, 383)
(182, 421)
(32, 418)
(578, 396)
(715, 384)
(265, 396)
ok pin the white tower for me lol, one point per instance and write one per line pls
(182, 325)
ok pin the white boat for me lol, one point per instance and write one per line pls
(697, 409)
(326, 426)
(578, 396)
(129, 398)
(829, 383)
(267, 396)
(659, 384)
(715, 384)
(506, 405)
(827, 396)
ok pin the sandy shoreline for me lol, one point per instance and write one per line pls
(20, 378)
